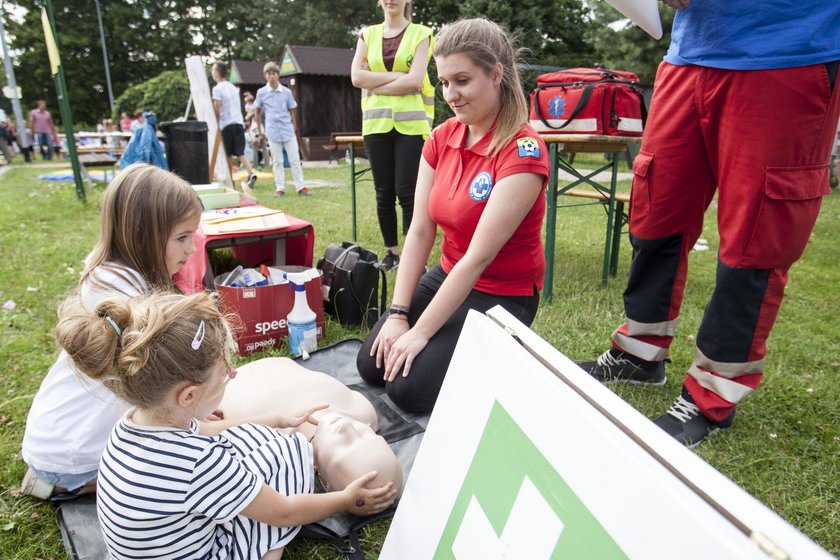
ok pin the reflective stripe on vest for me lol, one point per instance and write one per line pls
(410, 113)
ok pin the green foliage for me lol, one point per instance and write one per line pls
(630, 48)
(129, 101)
(551, 31)
(166, 94)
(147, 37)
(325, 23)
(143, 38)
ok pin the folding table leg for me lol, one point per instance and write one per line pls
(611, 203)
(353, 186)
(550, 222)
(616, 240)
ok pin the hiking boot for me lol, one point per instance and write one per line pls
(685, 423)
(251, 180)
(34, 486)
(391, 260)
(615, 366)
(305, 192)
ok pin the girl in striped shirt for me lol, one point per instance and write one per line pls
(171, 486)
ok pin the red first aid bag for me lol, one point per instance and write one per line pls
(588, 101)
(261, 311)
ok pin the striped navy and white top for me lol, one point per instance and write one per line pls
(172, 494)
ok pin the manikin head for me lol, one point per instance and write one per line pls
(346, 449)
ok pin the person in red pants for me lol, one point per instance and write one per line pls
(745, 108)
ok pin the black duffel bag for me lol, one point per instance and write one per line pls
(351, 284)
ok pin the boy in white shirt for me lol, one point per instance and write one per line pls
(229, 113)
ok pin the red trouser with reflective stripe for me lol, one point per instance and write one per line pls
(761, 139)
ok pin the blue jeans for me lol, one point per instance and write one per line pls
(69, 481)
(45, 144)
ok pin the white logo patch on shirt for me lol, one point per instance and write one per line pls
(481, 186)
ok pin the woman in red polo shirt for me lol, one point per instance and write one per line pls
(481, 180)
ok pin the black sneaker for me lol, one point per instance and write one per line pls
(251, 180)
(391, 260)
(685, 423)
(615, 366)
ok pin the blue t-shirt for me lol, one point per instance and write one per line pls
(756, 34)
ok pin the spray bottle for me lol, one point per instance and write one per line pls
(301, 319)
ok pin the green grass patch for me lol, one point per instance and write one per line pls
(783, 449)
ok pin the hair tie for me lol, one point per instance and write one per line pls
(199, 336)
(113, 324)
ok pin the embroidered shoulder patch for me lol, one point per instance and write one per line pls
(528, 147)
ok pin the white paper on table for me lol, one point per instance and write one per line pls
(644, 13)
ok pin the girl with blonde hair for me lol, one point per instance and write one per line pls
(171, 486)
(148, 218)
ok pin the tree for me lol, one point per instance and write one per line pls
(167, 95)
(324, 23)
(144, 37)
(629, 48)
(147, 37)
(551, 32)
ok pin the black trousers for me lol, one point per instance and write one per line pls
(394, 161)
(418, 392)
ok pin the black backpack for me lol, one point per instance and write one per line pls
(351, 284)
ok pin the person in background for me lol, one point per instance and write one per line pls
(482, 180)
(125, 122)
(274, 104)
(259, 146)
(57, 146)
(112, 140)
(138, 121)
(390, 66)
(228, 110)
(41, 124)
(714, 128)
(7, 137)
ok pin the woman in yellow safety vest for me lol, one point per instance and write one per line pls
(397, 111)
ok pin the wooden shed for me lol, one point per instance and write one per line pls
(319, 77)
(248, 75)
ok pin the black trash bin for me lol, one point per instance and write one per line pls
(186, 150)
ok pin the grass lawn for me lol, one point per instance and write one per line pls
(783, 448)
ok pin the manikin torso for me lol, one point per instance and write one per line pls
(345, 442)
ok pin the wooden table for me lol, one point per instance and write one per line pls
(88, 159)
(355, 175)
(558, 146)
(100, 149)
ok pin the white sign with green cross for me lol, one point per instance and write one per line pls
(518, 463)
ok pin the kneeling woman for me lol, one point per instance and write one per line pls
(481, 179)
